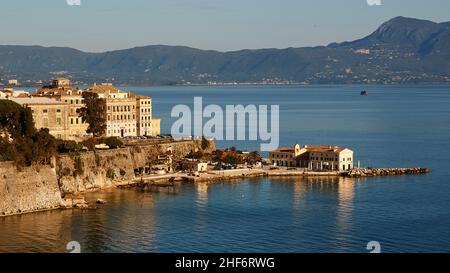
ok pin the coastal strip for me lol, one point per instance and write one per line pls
(217, 176)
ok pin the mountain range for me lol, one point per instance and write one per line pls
(402, 50)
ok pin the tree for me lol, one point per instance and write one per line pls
(94, 113)
(253, 158)
(112, 142)
(205, 143)
(16, 120)
(44, 147)
(19, 139)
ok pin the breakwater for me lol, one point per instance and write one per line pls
(385, 172)
(218, 176)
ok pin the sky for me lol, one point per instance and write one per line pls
(224, 25)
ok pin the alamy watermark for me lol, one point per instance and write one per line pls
(73, 247)
(374, 2)
(236, 122)
(73, 2)
(374, 247)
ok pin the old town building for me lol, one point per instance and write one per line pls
(121, 110)
(317, 158)
(61, 90)
(48, 113)
(144, 114)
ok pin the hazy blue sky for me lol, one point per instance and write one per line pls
(99, 25)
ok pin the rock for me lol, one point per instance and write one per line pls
(73, 202)
(100, 201)
(81, 206)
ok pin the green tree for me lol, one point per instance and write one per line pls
(94, 113)
(44, 147)
(112, 142)
(205, 143)
(20, 141)
(16, 120)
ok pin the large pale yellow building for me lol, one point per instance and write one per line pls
(127, 114)
(121, 110)
(48, 113)
(61, 90)
(156, 127)
(318, 158)
(144, 114)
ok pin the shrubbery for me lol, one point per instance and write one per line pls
(112, 142)
(69, 146)
(20, 141)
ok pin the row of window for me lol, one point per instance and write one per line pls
(121, 117)
(120, 131)
(45, 111)
(325, 159)
(76, 101)
(45, 122)
(283, 156)
(145, 102)
(146, 110)
(143, 125)
(76, 121)
(123, 108)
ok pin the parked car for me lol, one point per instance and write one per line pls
(102, 147)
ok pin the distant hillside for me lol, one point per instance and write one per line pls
(402, 50)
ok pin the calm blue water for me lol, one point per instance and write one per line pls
(394, 126)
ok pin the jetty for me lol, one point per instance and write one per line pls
(385, 172)
(170, 180)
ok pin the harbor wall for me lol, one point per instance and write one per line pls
(108, 169)
(30, 189)
(38, 188)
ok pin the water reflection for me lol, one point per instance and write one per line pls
(37, 232)
(344, 214)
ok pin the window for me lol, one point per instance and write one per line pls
(58, 110)
(58, 121)
(71, 121)
(45, 111)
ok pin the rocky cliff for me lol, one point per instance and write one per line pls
(107, 169)
(40, 188)
(31, 189)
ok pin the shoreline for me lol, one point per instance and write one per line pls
(168, 180)
(214, 176)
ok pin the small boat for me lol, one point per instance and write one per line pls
(364, 93)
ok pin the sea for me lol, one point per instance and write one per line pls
(394, 126)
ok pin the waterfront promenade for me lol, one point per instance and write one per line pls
(226, 175)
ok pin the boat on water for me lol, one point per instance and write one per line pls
(364, 93)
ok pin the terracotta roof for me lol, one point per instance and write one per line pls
(325, 149)
(321, 149)
(284, 150)
(35, 101)
(104, 88)
(139, 97)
